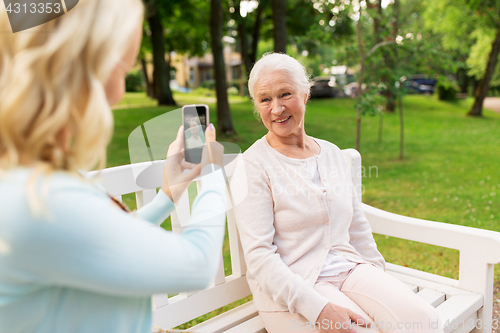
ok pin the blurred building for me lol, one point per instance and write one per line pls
(193, 72)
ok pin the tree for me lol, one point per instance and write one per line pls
(224, 121)
(146, 48)
(362, 63)
(161, 71)
(279, 20)
(242, 37)
(177, 29)
(248, 35)
(484, 85)
(256, 31)
(464, 27)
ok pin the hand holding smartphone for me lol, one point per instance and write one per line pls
(195, 120)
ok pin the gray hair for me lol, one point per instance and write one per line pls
(283, 62)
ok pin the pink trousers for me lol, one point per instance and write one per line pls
(373, 294)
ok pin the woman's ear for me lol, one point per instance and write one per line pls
(63, 138)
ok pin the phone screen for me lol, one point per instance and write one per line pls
(195, 123)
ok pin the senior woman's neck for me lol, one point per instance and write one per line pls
(296, 146)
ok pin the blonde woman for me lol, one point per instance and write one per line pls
(70, 259)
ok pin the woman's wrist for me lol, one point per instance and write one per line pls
(166, 190)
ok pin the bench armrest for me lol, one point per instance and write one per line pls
(479, 250)
(482, 242)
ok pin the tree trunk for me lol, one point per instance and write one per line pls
(147, 81)
(243, 39)
(161, 73)
(399, 95)
(484, 84)
(360, 81)
(376, 21)
(256, 33)
(224, 121)
(378, 39)
(390, 60)
(463, 80)
(401, 125)
(380, 127)
(279, 21)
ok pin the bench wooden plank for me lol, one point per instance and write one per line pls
(227, 320)
(424, 283)
(181, 309)
(432, 297)
(412, 287)
(461, 328)
(254, 325)
(459, 309)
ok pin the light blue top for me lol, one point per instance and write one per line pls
(88, 266)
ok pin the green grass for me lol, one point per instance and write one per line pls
(449, 173)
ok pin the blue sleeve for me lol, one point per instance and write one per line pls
(92, 245)
(157, 210)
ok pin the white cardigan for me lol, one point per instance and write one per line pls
(287, 225)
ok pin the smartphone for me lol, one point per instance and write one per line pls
(195, 120)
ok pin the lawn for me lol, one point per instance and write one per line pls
(449, 173)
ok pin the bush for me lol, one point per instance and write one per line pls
(210, 84)
(447, 89)
(134, 82)
(232, 91)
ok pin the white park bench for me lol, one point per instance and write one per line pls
(465, 305)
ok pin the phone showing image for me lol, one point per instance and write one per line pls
(195, 120)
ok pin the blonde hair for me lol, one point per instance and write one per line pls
(52, 80)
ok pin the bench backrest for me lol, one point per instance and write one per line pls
(172, 311)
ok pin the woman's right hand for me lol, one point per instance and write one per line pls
(334, 314)
(175, 180)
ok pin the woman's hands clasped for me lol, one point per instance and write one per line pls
(175, 180)
(337, 319)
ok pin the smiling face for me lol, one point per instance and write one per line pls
(281, 104)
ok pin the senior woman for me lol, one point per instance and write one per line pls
(70, 259)
(313, 264)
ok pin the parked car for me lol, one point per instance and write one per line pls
(420, 84)
(325, 86)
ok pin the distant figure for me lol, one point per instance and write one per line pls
(195, 132)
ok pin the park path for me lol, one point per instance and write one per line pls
(492, 103)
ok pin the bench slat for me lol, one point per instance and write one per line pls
(458, 309)
(181, 309)
(424, 283)
(227, 320)
(432, 297)
(254, 325)
(461, 328)
(412, 287)
(159, 300)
